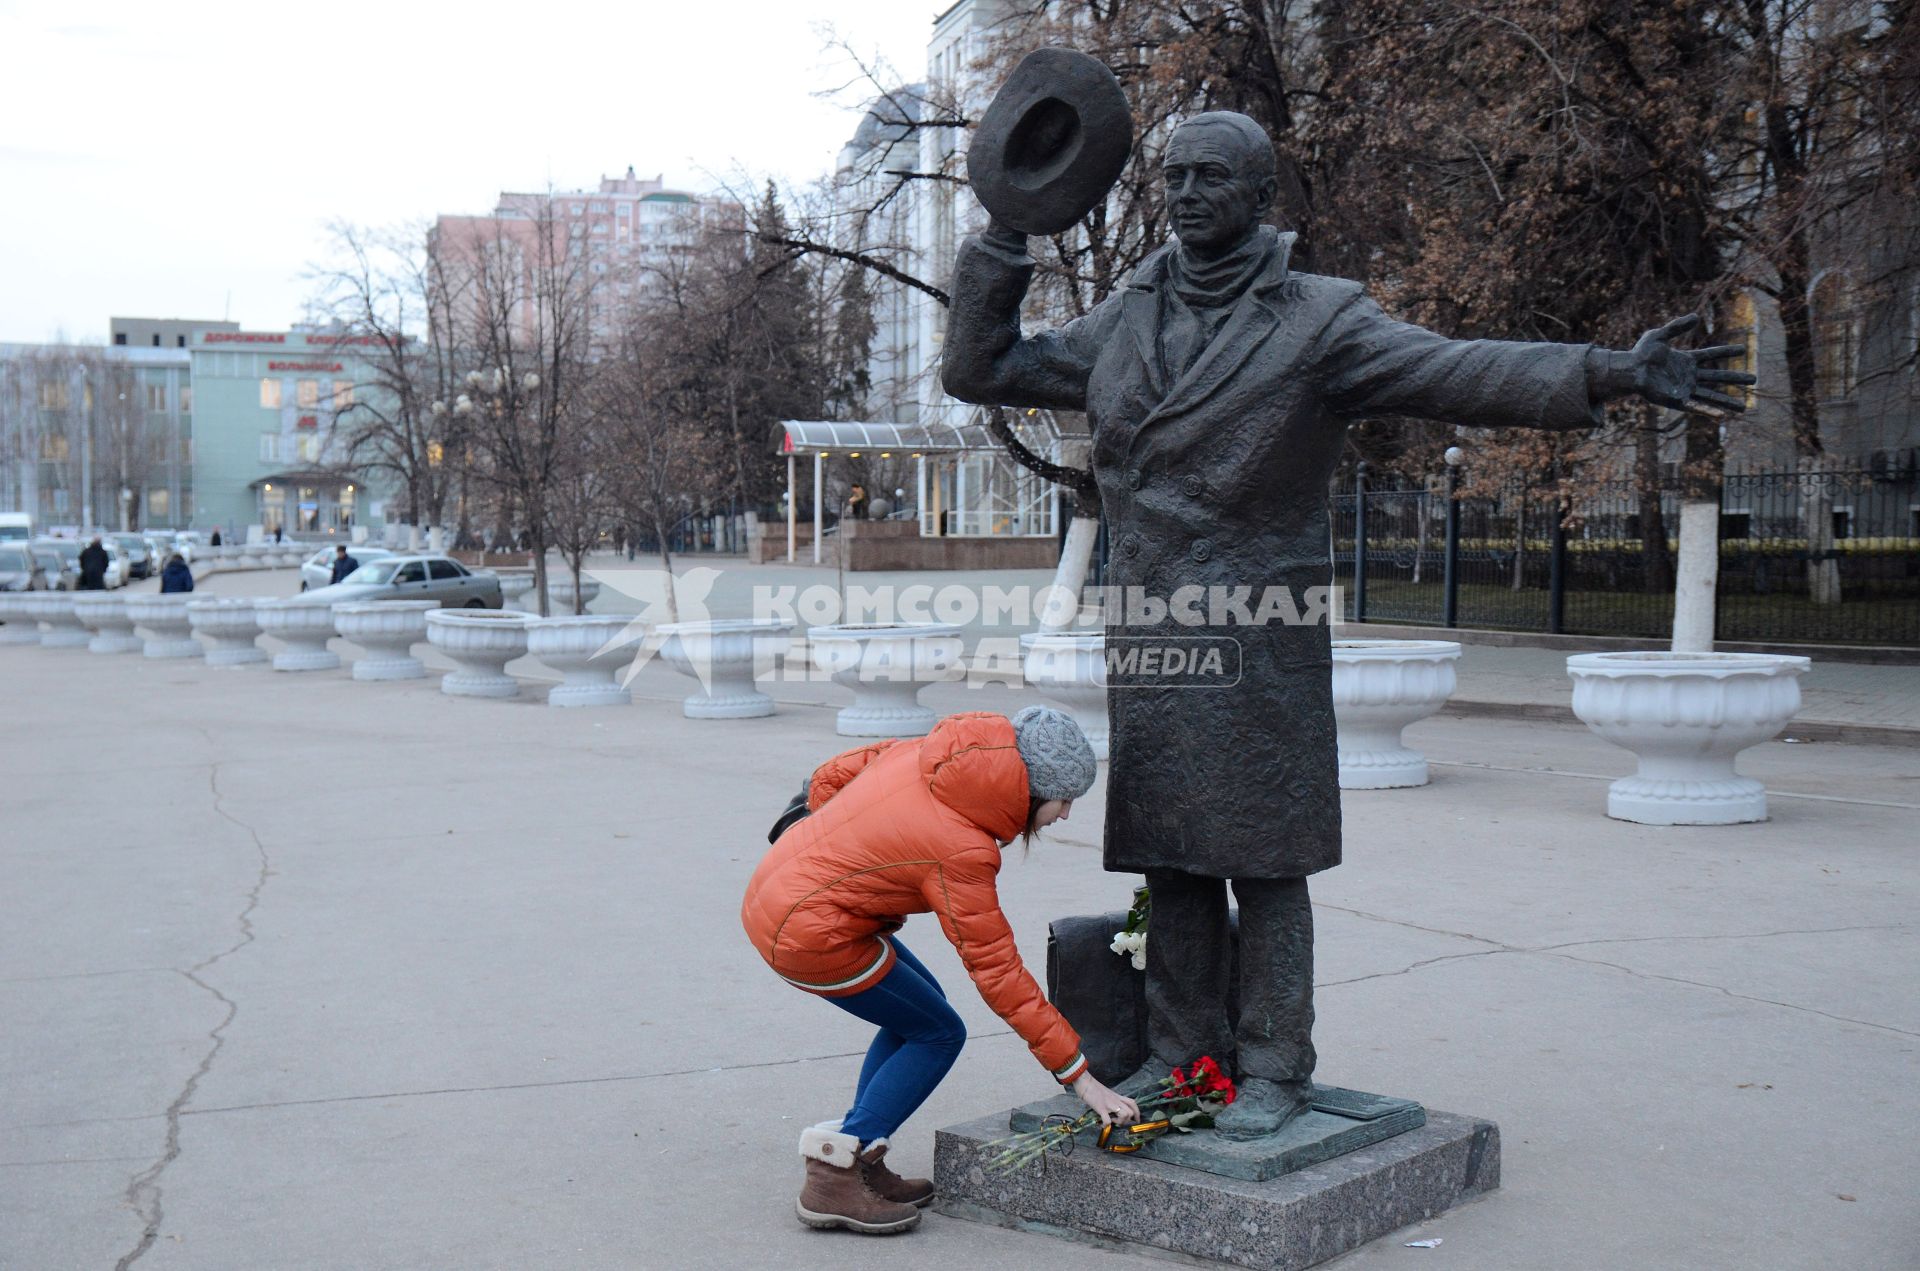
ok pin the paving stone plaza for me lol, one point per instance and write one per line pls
(300, 971)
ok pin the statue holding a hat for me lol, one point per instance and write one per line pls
(1218, 383)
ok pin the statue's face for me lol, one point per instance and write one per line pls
(1213, 198)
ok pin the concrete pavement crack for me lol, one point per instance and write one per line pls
(1556, 951)
(143, 1191)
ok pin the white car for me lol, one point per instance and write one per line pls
(317, 569)
(119, 564)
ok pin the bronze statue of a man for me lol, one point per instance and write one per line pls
(1218, 383)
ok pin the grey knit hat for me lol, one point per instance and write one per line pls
(1060, 762)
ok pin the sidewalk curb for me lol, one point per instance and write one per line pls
(1803, 729)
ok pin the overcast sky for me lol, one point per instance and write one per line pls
(167, 160)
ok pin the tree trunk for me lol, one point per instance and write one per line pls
(1519, 544)
(1816, 511)
(1070, 577)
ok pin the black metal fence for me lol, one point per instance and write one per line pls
(1824, 557)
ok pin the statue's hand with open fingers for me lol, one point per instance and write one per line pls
(1681, 378)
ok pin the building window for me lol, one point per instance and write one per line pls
(179, 341)
(309, 449)
(156, 397)
(53, 448)
(306, 394)
(186, 398)
(1836, 337)
(578, 209)
(54, 395)
(156, 339)
(270, 394)
(156, 505)
(342, 392)
(269, 447)
(119, 337)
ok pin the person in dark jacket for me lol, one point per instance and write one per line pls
(176, 576)
(215, 540)
(343, 564)
(93, 566)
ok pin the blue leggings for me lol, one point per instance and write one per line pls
(920, 1036)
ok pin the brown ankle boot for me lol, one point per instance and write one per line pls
(907, 1191)
(837, 1193)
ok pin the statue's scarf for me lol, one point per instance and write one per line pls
(1204, 293)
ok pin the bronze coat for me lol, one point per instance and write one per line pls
(1218, 477)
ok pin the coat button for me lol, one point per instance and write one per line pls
(1131, 546)
(1202, 549)
(1193, 487)
(1135, 478)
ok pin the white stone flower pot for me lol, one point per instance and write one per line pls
(516, 586)
(886, 664)
(387, 630)
(1686, 716)
(252, 556)
(283, 556)
(589, 651)
(104, 613)
(163, 615)
(229, 627)
(304, 626)
(724, 655)
(59, 625)
(560, 592)
(20, 627)
(1071, 668)
(1379, 687)
(481, 642)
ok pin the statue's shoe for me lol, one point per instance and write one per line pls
(1262, 1107)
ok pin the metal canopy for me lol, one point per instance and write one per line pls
(846, 437)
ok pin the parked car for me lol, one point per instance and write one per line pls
(187, 542)
(417, 577)
(60, 557)
(20, 570)
(15, 527)
(119, 564)
(317, 569)
(139, 552)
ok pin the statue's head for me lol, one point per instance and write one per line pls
(1219, 172)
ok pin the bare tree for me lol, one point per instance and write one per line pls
(399, 299)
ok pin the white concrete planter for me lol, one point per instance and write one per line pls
(387, 630)
(886, 664)
(164, 617)
(1379, 687)
(724, 655)
(59, 626)
(589, 651)
(1071, 668)
(1686, 716)
(304, 627)
(252, 556)
(481, 642)
(20, 627)
(105, 614)
(560, 592)
(283, 556)
(516, 585)
(229, 627)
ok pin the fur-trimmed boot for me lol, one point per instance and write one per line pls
(837, 1191)
(917, 1192)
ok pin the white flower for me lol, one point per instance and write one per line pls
(1122, 943)
(1140, 957)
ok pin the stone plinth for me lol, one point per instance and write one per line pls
(1296, 1220)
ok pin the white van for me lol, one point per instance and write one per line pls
(15, 527)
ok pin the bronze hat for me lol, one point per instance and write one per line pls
(1052, 143)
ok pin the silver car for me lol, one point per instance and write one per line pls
(417, 577)
(317, 569)
(60, 557)
(139, 554)
(20, 570)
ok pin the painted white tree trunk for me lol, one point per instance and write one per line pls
(1076, 555)
(1696, 577)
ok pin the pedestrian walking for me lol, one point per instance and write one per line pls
(93, 566)
(343, 564)
(898, 828)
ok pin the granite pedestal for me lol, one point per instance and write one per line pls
(1146, 1205)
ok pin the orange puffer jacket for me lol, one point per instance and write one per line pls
(919, 832)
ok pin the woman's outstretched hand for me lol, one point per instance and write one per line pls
(1109, 1105)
